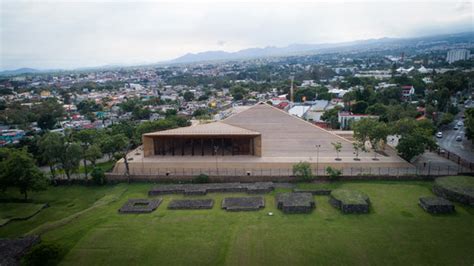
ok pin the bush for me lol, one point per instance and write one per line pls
(303, 171)
(43, 254)
(201, 179)
(98, 176)
(333, 173)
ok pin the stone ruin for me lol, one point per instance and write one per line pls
(436, 205)
(243, 204)
(203, 189)
(191, 204)
(140, 205)
(300, 202)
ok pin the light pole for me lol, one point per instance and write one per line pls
(317, 158)
(216, 148)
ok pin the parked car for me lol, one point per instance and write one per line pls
(456, 127)
(458, 138)
(460, 124)
(439, 134)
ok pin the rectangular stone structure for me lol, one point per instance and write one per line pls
(317, 191)
(191, 204)
(203, 189)
(350, 201)
(436, 205)
(295, 202)
(140, 205)
(243, 204)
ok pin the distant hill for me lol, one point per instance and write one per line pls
(297, 49)
(19, 71)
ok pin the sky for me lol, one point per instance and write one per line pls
(86, 33)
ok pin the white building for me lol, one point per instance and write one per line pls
(457, 55)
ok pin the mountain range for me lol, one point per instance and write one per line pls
(293, 49)
(299, 49)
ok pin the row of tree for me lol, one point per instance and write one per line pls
(414, 136)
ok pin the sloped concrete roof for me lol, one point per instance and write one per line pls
(284, 135)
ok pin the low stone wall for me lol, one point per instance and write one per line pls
(446, 193)
(243, 204)
(319, 192)
(202, 189)
(436, 205)
(140, 205)
(189, 204)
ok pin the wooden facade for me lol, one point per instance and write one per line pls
(202, 145)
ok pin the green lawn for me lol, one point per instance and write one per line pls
(85, 222)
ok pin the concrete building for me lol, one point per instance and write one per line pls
(261, 140)
(457, 55)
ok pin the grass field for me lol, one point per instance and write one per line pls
(85, 222)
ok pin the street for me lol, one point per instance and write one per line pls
(463, 148)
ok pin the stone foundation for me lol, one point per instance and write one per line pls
(295, 202)
(191, 204)
(436, 205)
(243, 204)
(140, 206)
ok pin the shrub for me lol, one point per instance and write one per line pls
(43, 254)
(98, 176)
(201, 179)
(302, 170)
(333, 173)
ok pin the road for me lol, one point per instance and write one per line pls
(463, 148)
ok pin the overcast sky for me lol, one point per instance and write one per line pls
(70, 34)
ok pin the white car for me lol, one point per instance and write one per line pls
(460, 124)
(439, 134)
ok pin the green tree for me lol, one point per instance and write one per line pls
(371, 130)
(302, 171)
(48, 113)
(337, 147)
(85, 138)
(415, 137)
(88, 106)
(359, 107)
(331, 117)
(98, 176)
(238, 92)
(358, 147)
(469, 123)
(446, 119)
(18, 169)
(188, 96)
(333, 173)
(93, 153)
(51, 147)
(70, 158)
